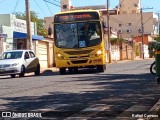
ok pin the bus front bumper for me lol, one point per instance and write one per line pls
(79, 62)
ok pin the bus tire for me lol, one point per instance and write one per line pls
(101, 68)
(62, 71)
(76, 69)
(70, 70)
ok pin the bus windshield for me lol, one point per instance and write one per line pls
(77, 35)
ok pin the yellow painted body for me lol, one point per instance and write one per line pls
(81, 57)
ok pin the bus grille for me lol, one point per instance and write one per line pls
(79, 56)
(79, 61)
(78, 52)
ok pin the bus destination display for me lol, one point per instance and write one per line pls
(76, 17)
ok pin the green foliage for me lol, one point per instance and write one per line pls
(34, 18)
(116, 41)
(137, 50)
(157, 39)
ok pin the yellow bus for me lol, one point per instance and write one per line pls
(79, 41)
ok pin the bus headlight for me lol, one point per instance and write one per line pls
(96, 54)
(60, 56)
(99, 52)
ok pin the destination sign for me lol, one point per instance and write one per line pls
(80, 16)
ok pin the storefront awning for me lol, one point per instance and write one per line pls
(19, 35)
(3, 35)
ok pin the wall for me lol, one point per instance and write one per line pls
(49, 23)
(47, 54)
(1, 45)
(115, 54)
(21, 26)
(5, 19)
(9, 40)
(146, 39)
(135, 20)
(129, 6)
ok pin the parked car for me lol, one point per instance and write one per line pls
(19, 62)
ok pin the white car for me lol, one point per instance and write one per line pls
(19, 62)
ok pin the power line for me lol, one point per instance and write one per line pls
(39, 7)
(16, 6)
(52, 3)
(48, 8)
(56, 1)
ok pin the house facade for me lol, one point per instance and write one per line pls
(13, 35)
(16, 31)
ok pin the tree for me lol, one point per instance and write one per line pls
(157, 38)
(117, 41)
(34, 18)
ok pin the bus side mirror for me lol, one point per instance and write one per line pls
(104, 24)
(104, 27)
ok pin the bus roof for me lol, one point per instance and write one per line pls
(75, 11)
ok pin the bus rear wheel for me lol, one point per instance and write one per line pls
(62, 71)
(101, 68)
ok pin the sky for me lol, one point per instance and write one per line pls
(45, 9)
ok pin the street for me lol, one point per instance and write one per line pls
(124, 90)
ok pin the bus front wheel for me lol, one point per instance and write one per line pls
(101, 68)
(62, 71)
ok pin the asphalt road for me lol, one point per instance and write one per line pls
(124, 90)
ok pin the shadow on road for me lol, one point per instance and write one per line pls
(118, 91)
(49, 72)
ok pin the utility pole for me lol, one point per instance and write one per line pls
(142, 31)
(109, 41)
(158, 23)
(28, 21)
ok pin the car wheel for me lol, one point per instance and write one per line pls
(13, 75)
(62, 71)
(37, 72)
(22, 71)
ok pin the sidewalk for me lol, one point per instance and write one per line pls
(54, 69)
(123, 61)
(51, 69)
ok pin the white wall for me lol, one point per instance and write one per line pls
(5, 19)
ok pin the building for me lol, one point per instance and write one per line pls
(129, 6)
(3, 44)
(13, 35)
(129, 25)
(128, 20)
(16, 31)
(135, 25)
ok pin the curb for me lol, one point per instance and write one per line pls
(53, 69)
